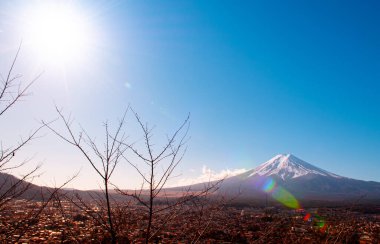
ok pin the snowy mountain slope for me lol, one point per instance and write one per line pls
(301, 179)
(287, 166)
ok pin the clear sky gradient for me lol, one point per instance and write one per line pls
(258, 78)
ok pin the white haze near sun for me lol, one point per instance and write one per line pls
(57, 33)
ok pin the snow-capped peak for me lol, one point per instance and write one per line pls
(287, 166)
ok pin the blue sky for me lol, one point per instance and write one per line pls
(258, 78)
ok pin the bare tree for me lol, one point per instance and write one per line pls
(12, 90)
(102, 159)
(161, 205)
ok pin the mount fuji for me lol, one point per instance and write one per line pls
(303, 180)
(287, 166)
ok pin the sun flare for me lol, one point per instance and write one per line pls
(57, 33)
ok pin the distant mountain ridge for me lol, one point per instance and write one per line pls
(13, 186)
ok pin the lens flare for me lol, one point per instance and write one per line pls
(317, 220)
(269, 185)
(279, 193)
(307, 217)
(323, 229)
(320, 222)
(285, 197)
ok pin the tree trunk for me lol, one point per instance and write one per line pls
(113, 235)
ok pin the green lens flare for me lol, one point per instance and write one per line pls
(285, 197)
(279, 193)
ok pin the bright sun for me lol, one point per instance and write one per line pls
(57, 33)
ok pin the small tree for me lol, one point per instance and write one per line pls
(12, 90)
(161, 206)
(103, 161)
